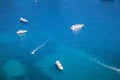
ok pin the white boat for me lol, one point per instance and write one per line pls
(36, 1)
(23, 20)
(21, 31)
(59, 65)
(76, 27)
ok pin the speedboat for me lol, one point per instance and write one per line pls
(76, 27)
(23, 20)
(59, 65)
(21, 31)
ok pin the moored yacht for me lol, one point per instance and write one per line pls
(21, 31)
(23, 20)
(59, 65)
(36, 1)
(76, 27)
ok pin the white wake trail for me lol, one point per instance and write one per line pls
(106, 66)
(109, 67)
(40, 46)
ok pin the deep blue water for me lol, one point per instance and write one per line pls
(93, 53)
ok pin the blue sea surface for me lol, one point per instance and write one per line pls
(93, 53)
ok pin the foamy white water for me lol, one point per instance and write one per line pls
(38, 47)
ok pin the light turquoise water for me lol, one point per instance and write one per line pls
(93, 53)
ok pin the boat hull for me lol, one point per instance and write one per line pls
(59, 65)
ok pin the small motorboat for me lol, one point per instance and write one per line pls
(36, 1)
(76, 27)
(21, 31)
(23, 20)
(59, 65)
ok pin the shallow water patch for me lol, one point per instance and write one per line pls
(13, 69)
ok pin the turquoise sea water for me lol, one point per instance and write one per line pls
(91, 54)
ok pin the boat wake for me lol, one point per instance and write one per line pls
(109, 67)
(105, 65)
(37, 48)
